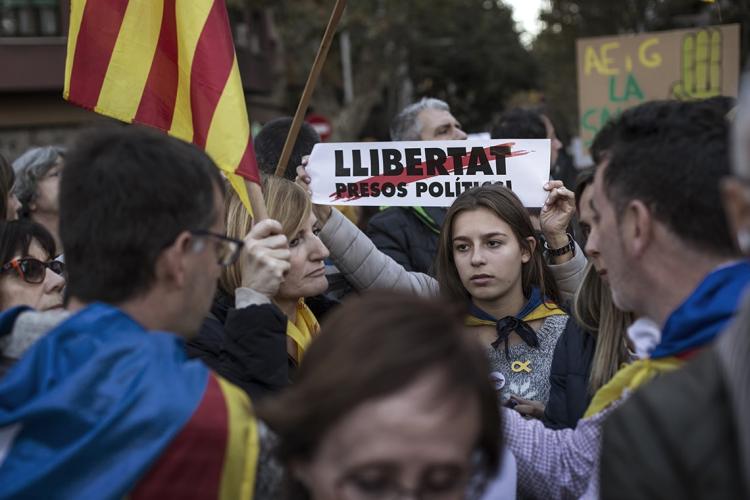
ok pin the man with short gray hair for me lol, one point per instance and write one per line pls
(409, 235)
(429, 119)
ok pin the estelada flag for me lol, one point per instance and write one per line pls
(100, 407)
(169, 64)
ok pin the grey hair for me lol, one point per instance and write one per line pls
(741, 132)
(29, 168)
(406, 127)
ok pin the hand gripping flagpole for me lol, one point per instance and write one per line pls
(312, 80)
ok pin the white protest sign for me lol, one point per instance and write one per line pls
(426, 173)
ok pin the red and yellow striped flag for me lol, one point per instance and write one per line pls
(215, 454)
(169, 64)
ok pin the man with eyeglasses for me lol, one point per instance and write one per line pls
(107, 403)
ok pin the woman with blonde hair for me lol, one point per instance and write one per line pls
(288, 204)
(260, 325)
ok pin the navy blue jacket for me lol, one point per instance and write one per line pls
(245, 346)
(569, 394)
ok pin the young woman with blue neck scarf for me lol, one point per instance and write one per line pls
(528, 321)
(489, 258)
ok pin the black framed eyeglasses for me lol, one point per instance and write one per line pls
(33, 270)
(228, 249)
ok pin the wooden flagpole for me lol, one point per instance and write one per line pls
(312, 80)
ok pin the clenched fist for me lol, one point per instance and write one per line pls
(265, 258)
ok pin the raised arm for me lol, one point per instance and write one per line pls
(554, 219)
(358, 259)
(363, 265)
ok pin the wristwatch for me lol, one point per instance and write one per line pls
(556, 252)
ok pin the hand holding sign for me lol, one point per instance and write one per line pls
(557, 213)
(426, 173)
(321, 212)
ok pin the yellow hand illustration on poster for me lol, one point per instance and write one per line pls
(701, 66)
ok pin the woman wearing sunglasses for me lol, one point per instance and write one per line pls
(29, 276)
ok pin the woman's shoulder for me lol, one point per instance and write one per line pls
(556, 320)
(553, 326)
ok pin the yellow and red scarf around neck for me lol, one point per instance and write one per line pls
(536, 308)
(301, 332)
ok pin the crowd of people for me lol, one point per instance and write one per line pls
(157, 342)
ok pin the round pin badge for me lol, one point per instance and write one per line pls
(498, 379)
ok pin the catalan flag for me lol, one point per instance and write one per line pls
(169, 64)
(102, 408)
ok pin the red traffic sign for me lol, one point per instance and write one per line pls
(322, 126)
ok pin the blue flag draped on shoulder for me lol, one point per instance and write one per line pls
(92, 409)
(706, 312)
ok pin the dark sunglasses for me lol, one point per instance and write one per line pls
(33, 270)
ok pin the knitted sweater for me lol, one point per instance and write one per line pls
(525, 371)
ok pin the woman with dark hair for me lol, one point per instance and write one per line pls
(392, 400)
(29, 276)
(9, 208)
(511, 290)
(489, 258)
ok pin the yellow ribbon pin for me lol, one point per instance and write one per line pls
(518, 366)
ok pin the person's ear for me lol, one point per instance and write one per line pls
(528, 250)
(736, 201)
(171, 265)
(637, 227)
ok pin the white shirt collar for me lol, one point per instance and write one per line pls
(645, 335)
